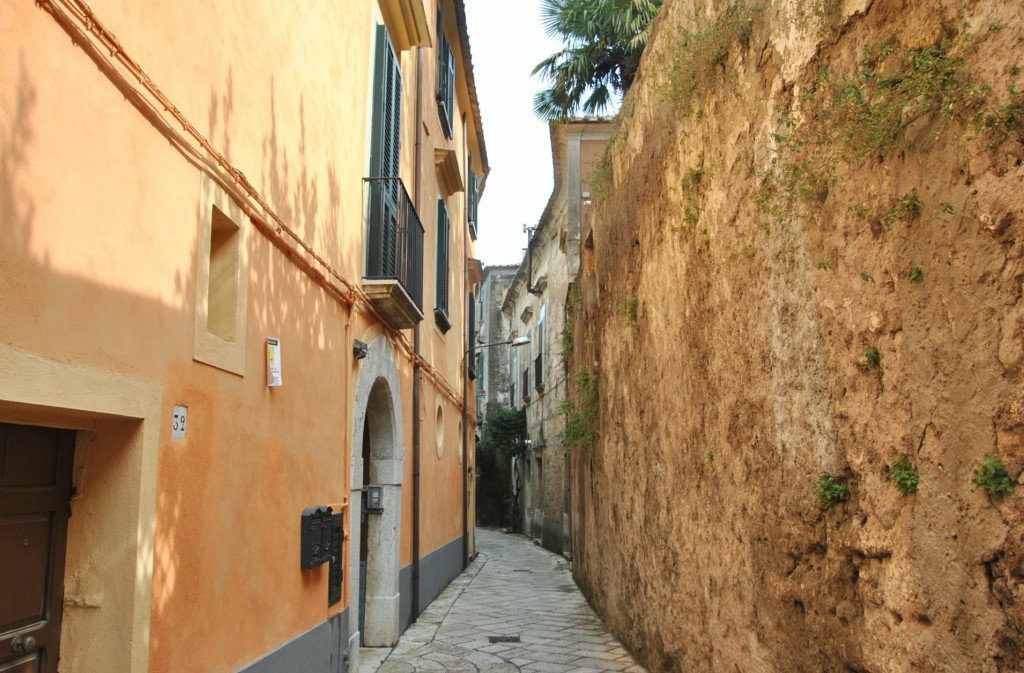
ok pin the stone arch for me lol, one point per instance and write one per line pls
(378, 416)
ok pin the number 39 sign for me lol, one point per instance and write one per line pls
(179, 422)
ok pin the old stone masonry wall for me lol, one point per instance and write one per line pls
(802, 307)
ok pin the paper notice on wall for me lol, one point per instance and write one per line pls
(273, 362)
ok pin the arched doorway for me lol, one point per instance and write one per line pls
(378, 460)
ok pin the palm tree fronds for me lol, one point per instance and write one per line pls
(603, 42)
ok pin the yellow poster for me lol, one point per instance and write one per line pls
(273, 362)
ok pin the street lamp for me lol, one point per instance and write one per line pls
(513, 343)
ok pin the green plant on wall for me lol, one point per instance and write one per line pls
(580, 412)
(916, 274)
(1006, 121)
(871, 359)
(699, 55)
(993, 476)
(863, 117)
(601, 175)
(568, 345)
(910, 205)
(572, 309)
(904, 475)
(831, 491)
(627, 308)
(906, 208)
(873, 109)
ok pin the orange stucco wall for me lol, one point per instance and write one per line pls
(99, 238)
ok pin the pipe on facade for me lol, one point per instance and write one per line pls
(417, 415)
(465, 349)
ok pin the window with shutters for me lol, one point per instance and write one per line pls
(441, 315)
(445, 78)
(394, 250)
(538, 363)
(471, 334)
(513, 370)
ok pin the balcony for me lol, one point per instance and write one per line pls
(394, 253)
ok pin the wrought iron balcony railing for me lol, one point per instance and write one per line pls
(394, 247)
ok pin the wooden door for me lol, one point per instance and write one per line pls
(364, 531)
(35, 493)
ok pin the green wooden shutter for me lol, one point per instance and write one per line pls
(445, 78)
(474, 190)
(473, 197)
(387, 109)
(443, 227)
(450, 94)
(385, 153)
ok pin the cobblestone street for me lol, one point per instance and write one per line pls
(517, 594)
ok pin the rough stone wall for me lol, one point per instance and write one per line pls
(815, 209)
(544, 489)
(493, 379)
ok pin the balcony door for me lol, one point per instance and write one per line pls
(382, 252)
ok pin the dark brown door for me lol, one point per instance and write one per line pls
(35, 491)
(364, 532)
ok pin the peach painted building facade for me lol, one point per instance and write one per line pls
(199, 201)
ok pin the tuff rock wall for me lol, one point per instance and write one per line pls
(806, 258)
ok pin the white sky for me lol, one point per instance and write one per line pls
(507, 40)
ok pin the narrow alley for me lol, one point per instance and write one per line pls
(517, 594)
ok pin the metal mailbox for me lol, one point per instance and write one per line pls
(335, 576)
(316, 543)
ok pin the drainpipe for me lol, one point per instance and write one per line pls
(465, 349)
(416, 367)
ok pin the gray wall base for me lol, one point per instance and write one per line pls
(437, 570)
(322, 649)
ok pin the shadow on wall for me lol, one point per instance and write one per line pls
(287, 304)
(204, 498)
(16, 207)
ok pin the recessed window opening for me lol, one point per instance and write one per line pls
(439, 431)
(222, 289)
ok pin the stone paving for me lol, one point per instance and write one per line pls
(512, 590)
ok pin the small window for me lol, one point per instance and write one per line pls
(221, 281)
